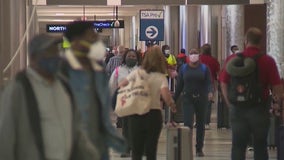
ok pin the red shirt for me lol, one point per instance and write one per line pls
(267, 70)
(212, 64)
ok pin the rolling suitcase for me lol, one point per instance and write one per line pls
(179, 143)
(271, 137)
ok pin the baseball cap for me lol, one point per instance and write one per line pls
(182, 50)
(41, 42)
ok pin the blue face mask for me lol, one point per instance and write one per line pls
(50, 65)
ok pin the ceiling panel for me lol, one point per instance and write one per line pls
(73, 12)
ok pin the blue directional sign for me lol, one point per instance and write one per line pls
(151, 25)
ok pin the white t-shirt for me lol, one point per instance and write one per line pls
(157, 81)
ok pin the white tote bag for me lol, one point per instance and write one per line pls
(134, 98)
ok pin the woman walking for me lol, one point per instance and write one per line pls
(145, 129)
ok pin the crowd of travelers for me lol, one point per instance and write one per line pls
(59, 107)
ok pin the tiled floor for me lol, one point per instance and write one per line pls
(217, 146)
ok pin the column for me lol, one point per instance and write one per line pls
(275, 32)
(205, 24)
(115, 37)
(189, 23)
(233, 18)
(183, 27)
(133, 34)
(171, 34)
(167, 27)
(13, 25)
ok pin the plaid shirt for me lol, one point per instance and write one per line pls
(113, 63)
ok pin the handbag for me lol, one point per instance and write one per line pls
(134, 98)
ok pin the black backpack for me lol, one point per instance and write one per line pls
(244, 86)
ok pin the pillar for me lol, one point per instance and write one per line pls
(13, 26)
(234, 24)
(275, 32)
(205, 25)
(189, 16)
(171, 33)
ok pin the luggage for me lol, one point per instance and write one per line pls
(179, 143)
(280, 147)
(271, 138)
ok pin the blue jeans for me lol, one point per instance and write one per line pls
(247, 121)
(197, 106)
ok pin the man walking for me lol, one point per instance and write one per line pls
(37, 117)
(252, 117)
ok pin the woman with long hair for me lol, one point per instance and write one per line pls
(145, 129)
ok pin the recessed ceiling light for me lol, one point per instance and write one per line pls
(59, 14)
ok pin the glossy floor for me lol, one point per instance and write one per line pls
(217, 146)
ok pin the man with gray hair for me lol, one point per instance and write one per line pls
(116, 60)
(37, 117)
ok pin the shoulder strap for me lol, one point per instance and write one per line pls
(183, 68)
(116, 72)
(258, 55)
(203, 67)
(33, 111)
(255, 57)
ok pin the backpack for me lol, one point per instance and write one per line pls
(244, 86)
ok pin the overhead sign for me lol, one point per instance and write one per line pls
(151, 25)
(57, 28)
(108, 24)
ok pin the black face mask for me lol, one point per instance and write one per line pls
(130, 62)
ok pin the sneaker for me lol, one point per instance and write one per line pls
(199, 154)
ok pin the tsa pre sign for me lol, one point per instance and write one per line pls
(151, 25)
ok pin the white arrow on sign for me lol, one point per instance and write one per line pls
(151, 32)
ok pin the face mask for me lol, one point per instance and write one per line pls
(130, 62)
(167, 51)
(97, 51)
(236, 51)
(50, 65)
(194, 58)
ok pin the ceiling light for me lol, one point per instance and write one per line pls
(59, 14)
